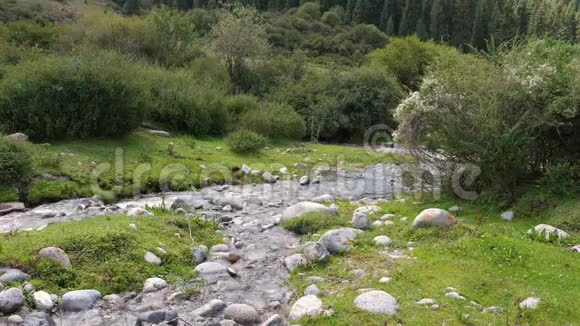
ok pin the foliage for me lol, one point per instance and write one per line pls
(274, 120)
(15, 163)
(28, 33)
(245, 141)
(561, 178)
(312, 223)
(66, 97)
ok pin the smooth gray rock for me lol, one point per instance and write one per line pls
(326, 198)
(304, 180)
(151, 258)
(308, 305)
(304, 207)
(209, 269)
(268, 177)
(377, 302)
(154, 284)
(361, 221)
(367, 210)
(294, 261)
(312, 289)
(157, 317)
(434, 217)
(181, 203)
(198, 255)
(80, 300)
(454, 209)
(230, 199)
(39, 319)
(9, 275)
(338, 240)
(55, 254)
(454, 295)
(11, 300)
(241, 313)
(508, 215)
(382, 240)
(18, 137)
(211, 309)
(15, 320)
(219, 248)
(315, 252)
(246, 169)
(426, 301)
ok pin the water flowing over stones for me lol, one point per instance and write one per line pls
(257, 278)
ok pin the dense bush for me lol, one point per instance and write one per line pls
(29, 33)
(312, 223)
(71, 97)
(15, 163)
(245, 141)
(274, 120)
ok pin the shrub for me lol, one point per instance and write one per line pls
(236, 106)
(274, 120)
(15, 163)
(312, 223)
(29, 33)
(71, 97)
(245, 141)
(561, 178)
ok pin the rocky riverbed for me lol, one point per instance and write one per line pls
(245, 278)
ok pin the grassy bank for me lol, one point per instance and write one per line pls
(180, 158)
(106, 254)
(493, 263)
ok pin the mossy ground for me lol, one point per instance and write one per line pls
(493, 263)
(179, 158)
(106, 254)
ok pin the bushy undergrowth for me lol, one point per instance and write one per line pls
(312, 223)
(245, 141)
(71, 97)
(15, 163)
(274, 120)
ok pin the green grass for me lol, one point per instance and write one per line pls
(106, 254)
(312, 223)
(180, 162)
(494, 263)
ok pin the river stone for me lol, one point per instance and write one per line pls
(326, 198)
(294, 261)
(151, 258)
(208, 269)
(382, 240)
(454, 209)
(154, 284)
(15, 320)
(361, 221)
(338, 240)
(268, 177)
(426, 301)
(19, 137)
(12, 275)
(80, 300)
(377, 302)
(56, 254)
(312, 289)
(308, 305)
(434, 217)
(137, 211)
(575, 248)
(368, 210)
(304, 207)
(157, 317)
(39, 319)
(275, 320)
(304, 180)
(317, 179)
(6, 208)
(241, 313)
(284, 170)
(198, 255)
(42, 300)
(11, 300)
(219, 248)
(508, 216)
(232, 200)
(549, 231)
(530, 303)
(315, 252)
(210, 309)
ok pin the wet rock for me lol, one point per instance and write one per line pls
(39, 319)
(308, 305)
(219, 248)
(312, 290)
(508, 216)
(294, 261)
(7, 208)
(275, 320)
(549, 232)
(426, 301)
(18, 137)
(304, 207)
(268, 177)
(157, 317)
(80, 300)
(434, 217)
(454, 295)
(55, 254)
(154, 284)
(9, 275)
(382, 240)
(211, 309)
(209, 269)
(241, 313)
(338, 240)
(361, 221)
(326, 198)
(377, 302)
(137, 211)
(42, 300)
(315, 252)
(368, 210)
(198, 255)
(11, 300)
(232, 200)
(151, 258)
(304, 180)
(530, 303)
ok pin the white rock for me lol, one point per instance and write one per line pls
(11, 300)
(133, 226)
(549, 231)
(294, 261)
(530, 303)
(377, 302)
(284, 170)
(385, 279)
(434, 217)
(151, 258)
(382, 240)
(387, 217)
(154, 284)
(241, 313)
(268, 177)
(454, 209)
(304, 180)
(426, 301)
(19, 137)
(308, 305)
(508, 216)
(338, 240)
(209, 269)
(360, 221)
(246, 170)
(15, 320)
(454, 295)
(42, 300)
(368, 210)
(378, 223)
(220, 248)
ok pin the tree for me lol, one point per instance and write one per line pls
(239, 35)
(361, 12)
(481, 25)
(411, 17)
(439, 20)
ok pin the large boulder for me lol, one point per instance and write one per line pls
(304, 207)
(80, 300)
(241, 314)
(9, 275)
(549, 232)
(338, 240)
(434, 217)
(308, 305)
(377, 302)
(55, 254)
(11, 300)
(315, 252)
(361, 221)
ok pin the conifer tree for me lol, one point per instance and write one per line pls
(411, 17)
